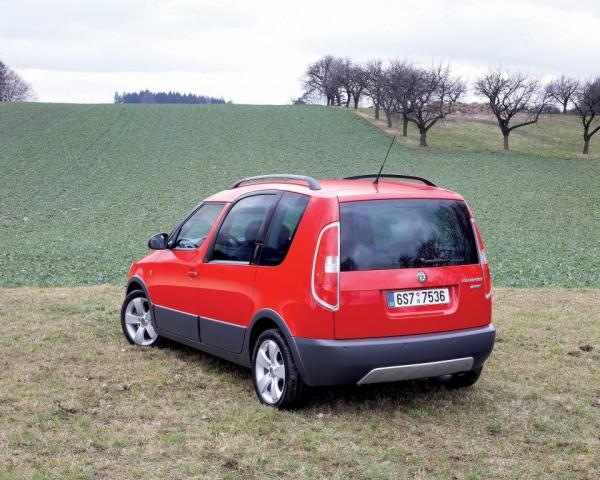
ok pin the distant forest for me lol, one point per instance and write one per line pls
(146, 96)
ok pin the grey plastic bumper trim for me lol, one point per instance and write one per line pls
(417, 370)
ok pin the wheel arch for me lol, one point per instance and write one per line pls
(259, 326)
(136, 283)
(266, 319)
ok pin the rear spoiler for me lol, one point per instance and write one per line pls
(391, 175)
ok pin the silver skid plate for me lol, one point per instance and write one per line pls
(417, 370)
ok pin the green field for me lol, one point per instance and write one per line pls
(83, 186)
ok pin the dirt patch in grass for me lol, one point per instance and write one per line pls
(76, 400)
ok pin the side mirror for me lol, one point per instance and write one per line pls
(158, 241)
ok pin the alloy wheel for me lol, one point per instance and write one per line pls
(138, 321)
(269, 370)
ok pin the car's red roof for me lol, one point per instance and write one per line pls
(345, 190)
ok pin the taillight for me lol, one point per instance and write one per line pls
(483, 260)
(325, 281)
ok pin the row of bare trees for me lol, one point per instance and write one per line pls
(425, 95)
(12, 86)
(418, 95)
(511, 94)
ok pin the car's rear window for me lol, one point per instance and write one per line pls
(393, 234)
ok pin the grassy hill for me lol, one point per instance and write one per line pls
(83, 186)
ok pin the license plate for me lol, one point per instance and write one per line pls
(416, 298)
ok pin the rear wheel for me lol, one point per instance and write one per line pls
(276, 378)
(137, 321)
(462, 379)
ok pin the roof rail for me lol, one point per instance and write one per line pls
(312, 183)
(391, 175)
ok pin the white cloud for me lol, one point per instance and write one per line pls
(256, 51)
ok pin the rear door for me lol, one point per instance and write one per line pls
(408, 267)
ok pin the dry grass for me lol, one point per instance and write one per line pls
(554, 136)
(76, 401)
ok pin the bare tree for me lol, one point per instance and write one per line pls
(316, 78)
(344, 66)
(386, 102)
(358, 83)
(509, 94)
(401, 78)
(375, 84)
(353, 80)
(12, 86)
(325, 78)
(562, 90)
(382, 87)
(428, 95)
(3, 83)
(587, 105)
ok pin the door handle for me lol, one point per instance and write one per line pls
(192, 273)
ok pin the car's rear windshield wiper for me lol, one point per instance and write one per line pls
(441, 260)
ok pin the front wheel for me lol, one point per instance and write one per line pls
(136, 320)
(276, 378)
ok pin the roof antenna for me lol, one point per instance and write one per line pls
(376, 181)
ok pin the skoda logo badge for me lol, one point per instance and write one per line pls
(422, 277)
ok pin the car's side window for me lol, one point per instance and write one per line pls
(193, 232)
(237, 236)
(283, 227)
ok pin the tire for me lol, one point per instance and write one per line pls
(276, 379)
(137, 321)
(462, 379)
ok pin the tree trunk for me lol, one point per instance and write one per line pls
(388, 116)
(505, 135)
(348, 98)
(586, 144)
(565, 107)
(376, 111)
(356, 100)
(339, 101)
(422, 137)
(404, 125)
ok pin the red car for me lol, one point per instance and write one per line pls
(308, 282)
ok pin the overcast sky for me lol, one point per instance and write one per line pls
(256, 51)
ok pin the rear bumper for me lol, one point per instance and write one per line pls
(333, 362)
